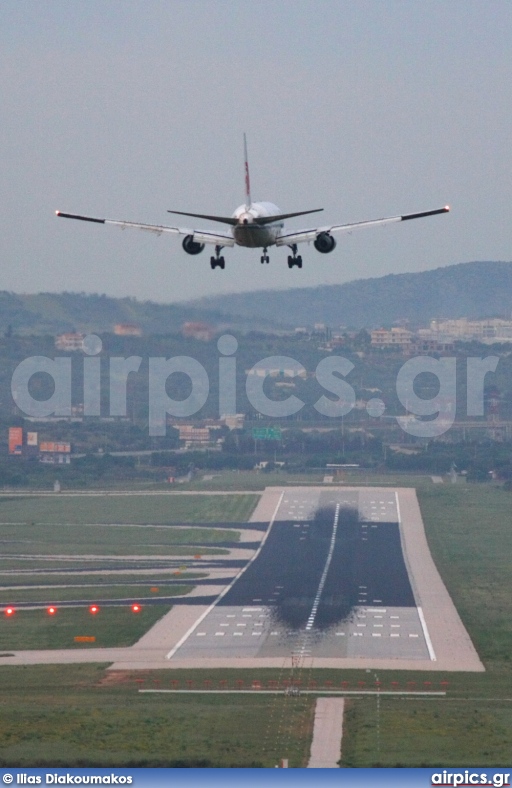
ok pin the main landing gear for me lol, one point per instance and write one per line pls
(217, 260)
(265, 258)
(296, 259)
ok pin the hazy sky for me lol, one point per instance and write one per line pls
(367, 108)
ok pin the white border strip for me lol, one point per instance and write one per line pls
(399, 516)
(431, 652)
(426, 635)
(187, 634)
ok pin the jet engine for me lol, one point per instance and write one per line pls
(324, 243)
(191, 246)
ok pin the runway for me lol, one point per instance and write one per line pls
(344, 579)
(330, 582)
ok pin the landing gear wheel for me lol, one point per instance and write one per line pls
(265, 258)
(217, 260)
(296, 259)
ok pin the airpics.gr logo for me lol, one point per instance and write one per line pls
(468, 778)
(426, 417)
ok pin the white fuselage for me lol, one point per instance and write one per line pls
(249, 233)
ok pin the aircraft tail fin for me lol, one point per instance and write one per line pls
(248, 201)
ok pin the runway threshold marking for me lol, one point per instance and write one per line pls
(223, 593)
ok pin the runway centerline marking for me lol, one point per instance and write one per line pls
(312, 616)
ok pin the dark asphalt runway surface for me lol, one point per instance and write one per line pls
(320, 590)
(366, 556)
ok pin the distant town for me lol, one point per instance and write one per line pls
(95, 447)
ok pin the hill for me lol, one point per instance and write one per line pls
(475, 290)
(479, 289)
(55, 313)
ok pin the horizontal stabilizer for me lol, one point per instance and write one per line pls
(223, 219)
(258, 220)
(279, 217)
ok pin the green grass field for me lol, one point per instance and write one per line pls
(90, 593)
(61, 716)
(469, 530)
(77, 539)
(109, 508)
(400, 732)
(86, 562)
(39, 578)
(112, 626)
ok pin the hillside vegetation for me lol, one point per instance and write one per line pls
(54, 313)
(475, 290)
(479, 289)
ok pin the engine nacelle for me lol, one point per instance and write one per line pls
(324, 243)
(191, 246)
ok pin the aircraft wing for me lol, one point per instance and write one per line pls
(201, 236)
(309, 235)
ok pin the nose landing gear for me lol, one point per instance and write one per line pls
(295, 259)
(265, 258)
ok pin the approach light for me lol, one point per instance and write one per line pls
(136, 608)
(94, 609)
(9, 611)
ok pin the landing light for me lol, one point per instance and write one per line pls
(51, 610)
(94, 609)
(9, 611)
(136, 608)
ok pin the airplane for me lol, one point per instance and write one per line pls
(255, 225)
